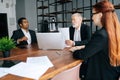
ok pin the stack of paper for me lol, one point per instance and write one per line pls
(34, 68)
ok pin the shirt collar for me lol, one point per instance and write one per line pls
(24, 30)
(77, 29)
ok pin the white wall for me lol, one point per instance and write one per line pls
(30, 12)
(8, 6)
(27, 8)
(20, 9)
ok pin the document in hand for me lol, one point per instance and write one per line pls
(65, 33)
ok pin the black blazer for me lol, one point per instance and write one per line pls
(85, 34)
(96, 51)
(17, 34)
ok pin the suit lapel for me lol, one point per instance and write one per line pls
(22, 34)
(72, 30)
(82, 31)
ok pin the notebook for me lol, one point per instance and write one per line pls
(50, 41)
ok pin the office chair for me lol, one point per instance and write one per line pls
(70, 74)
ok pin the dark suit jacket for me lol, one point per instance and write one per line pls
(17, 34)
(96, 51)
(85, 34)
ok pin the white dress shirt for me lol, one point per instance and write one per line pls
(77, 35)
(27, 34)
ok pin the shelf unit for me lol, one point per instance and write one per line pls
(40, 13)
(117, 6)
(61, 10)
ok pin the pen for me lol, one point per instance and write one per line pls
(58, 53)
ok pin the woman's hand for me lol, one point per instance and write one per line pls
(77, 48)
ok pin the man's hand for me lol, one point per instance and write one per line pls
(69, 43)
(22, 39)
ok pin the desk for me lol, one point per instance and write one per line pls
(61, 59)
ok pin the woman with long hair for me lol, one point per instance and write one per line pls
(103, 50)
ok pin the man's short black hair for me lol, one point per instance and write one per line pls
(20, 20)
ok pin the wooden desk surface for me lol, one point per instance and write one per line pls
(61, 59)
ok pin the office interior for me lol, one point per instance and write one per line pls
(39, 11)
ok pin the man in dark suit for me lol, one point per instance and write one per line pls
(80, 33)
(24, 36)
(84, 33)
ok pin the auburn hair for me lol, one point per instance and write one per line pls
(111, 23)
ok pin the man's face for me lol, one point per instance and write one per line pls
(76, 21)
(24, 24)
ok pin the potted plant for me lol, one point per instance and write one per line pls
(6, 44)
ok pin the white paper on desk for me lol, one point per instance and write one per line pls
(43, 60)
(3, 71)
(28, 70)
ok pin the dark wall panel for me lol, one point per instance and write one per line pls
(3, 25)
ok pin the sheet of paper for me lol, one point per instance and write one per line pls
(28, 70)
(65, 33)
(3, 71)
(43, 60)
